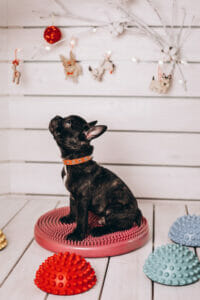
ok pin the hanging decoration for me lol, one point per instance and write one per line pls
(16, 74)
(52, 34)
(170, 44)
(117, 28)
(162, 84)
(72, 67)
(3, 241)
(106, 65)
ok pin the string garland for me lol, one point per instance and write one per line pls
(169, 45)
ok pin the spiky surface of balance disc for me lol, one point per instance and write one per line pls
(51, 234)
(3, 241)
(65, 274)
(172, 264)
(186, 231)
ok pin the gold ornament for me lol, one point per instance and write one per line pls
(3, 241)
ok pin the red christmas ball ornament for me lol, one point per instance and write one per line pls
(65, 274)
(52, 34)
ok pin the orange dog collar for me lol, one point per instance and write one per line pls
(76, 161)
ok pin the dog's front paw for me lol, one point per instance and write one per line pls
(67, 219)
(75, 236)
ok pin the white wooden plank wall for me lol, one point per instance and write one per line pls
(153, 141)
(4, 106)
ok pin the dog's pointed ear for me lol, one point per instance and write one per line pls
(95, 132)
(93, 123)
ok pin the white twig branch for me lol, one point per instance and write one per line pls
(144, 28)
(182, 77)
(187, 32)
(68, 14)
(160, 18)
(178, 41)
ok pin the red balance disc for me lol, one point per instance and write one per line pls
(50, 233)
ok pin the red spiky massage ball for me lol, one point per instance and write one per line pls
(52, 34)
(65, 274)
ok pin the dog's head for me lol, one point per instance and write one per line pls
(73, 135)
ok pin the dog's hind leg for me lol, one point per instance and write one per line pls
(138, 217)
(117, 219)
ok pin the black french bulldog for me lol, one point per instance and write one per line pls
(92, 187)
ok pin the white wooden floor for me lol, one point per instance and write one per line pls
(118, 277)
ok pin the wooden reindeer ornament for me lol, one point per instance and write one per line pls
(106, 65)
(72, 68)
(162, 84)
(16, 74)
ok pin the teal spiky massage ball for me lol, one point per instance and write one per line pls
(172, 264)
(186, 231)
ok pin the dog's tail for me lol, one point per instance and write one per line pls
(138, 217)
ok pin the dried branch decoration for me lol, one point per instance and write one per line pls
(171, 52)
(170, 44)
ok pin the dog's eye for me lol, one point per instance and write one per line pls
(67, 124)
